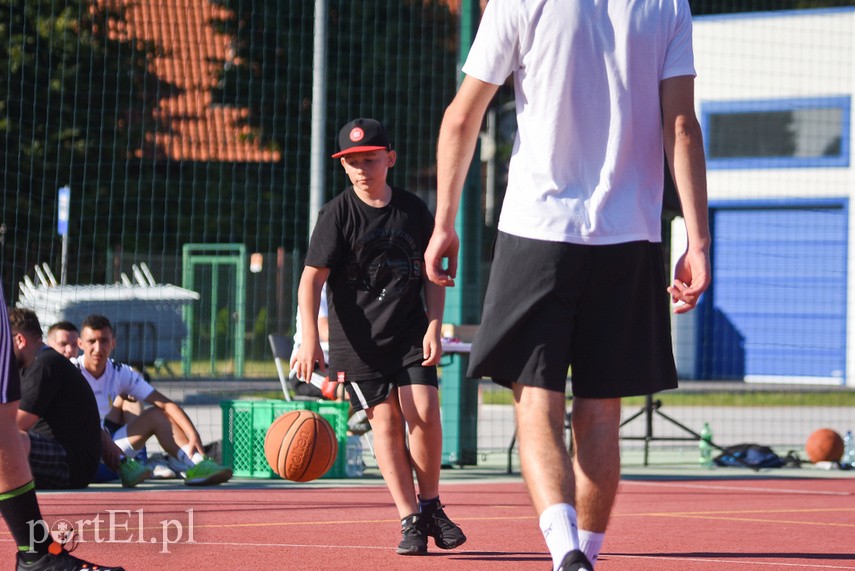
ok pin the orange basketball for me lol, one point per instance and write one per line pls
(300, 446)
(824, 445)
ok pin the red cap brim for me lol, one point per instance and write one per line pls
(352, 150)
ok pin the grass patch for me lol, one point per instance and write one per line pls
(753, 398)
(252, 369)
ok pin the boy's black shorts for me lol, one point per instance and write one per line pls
(371, 392)
(602, 310)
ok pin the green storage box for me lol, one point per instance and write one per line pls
(245, 424)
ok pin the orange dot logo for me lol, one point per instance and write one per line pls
(356, 134)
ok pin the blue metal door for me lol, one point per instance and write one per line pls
(777, 307)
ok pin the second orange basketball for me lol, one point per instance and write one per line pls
(301, 446)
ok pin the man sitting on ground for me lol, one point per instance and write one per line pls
(62, 336)
(57, 414)
(164, 419)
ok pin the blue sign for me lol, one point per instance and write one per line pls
(64, 206)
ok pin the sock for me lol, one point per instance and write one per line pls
(125, 446)
(188, 457)
(424, 504)
(19, 507)
(590, 543)
(558, 524)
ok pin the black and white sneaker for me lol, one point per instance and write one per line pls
(413, 536)
(575, 561)
(61, 560)
(445, 533)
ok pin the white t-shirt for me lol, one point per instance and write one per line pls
(118, 379)
(587, 163)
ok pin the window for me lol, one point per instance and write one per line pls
(777, 133)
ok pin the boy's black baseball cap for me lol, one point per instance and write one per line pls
(361, 135)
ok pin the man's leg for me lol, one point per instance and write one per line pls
(153, 422)
(18, 503)
(544, 459)
(547, 467)
(596, 443)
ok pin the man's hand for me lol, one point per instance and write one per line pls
(692, 277)
(110, 453)
(443, 244)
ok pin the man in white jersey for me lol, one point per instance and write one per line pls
(578, 278)
(164, 419)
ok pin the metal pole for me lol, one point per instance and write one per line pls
(459, 403)
(63, 270)
(63, 210)
(317, 180)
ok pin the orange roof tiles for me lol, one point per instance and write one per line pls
(191, 54)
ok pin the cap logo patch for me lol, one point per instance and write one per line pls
(356, 134)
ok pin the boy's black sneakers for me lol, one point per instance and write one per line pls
(61, 560)
(445, 533)
(413, 536)
(575, 561)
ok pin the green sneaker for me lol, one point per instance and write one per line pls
(207, 473)
(133, 473)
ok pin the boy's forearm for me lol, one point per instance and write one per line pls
(434, 301)
(309, 298)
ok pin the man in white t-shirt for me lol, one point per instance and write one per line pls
(602, 89)
(164, 419)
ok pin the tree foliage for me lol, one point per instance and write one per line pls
(69, 103)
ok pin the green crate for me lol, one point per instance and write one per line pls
(245, 424)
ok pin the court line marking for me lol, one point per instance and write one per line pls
(748, 519)
(605, 555)
(776, 564)
(740, 488)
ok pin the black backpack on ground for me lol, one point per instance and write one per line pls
(755, 456)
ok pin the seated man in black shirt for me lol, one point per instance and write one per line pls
(57, 412)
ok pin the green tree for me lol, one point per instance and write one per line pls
(395, 61)
(70, 112)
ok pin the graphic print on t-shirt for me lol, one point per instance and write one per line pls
(384, 262)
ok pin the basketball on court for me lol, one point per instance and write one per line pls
(300, 446)
(824, 445)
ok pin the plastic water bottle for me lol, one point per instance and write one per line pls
(848, 460)
(705, 447)
(354, 466)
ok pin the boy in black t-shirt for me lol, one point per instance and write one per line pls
(368, 246)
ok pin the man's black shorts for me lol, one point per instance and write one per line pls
(600, 311)
(48, 462)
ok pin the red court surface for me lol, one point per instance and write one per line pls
(753, 523)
